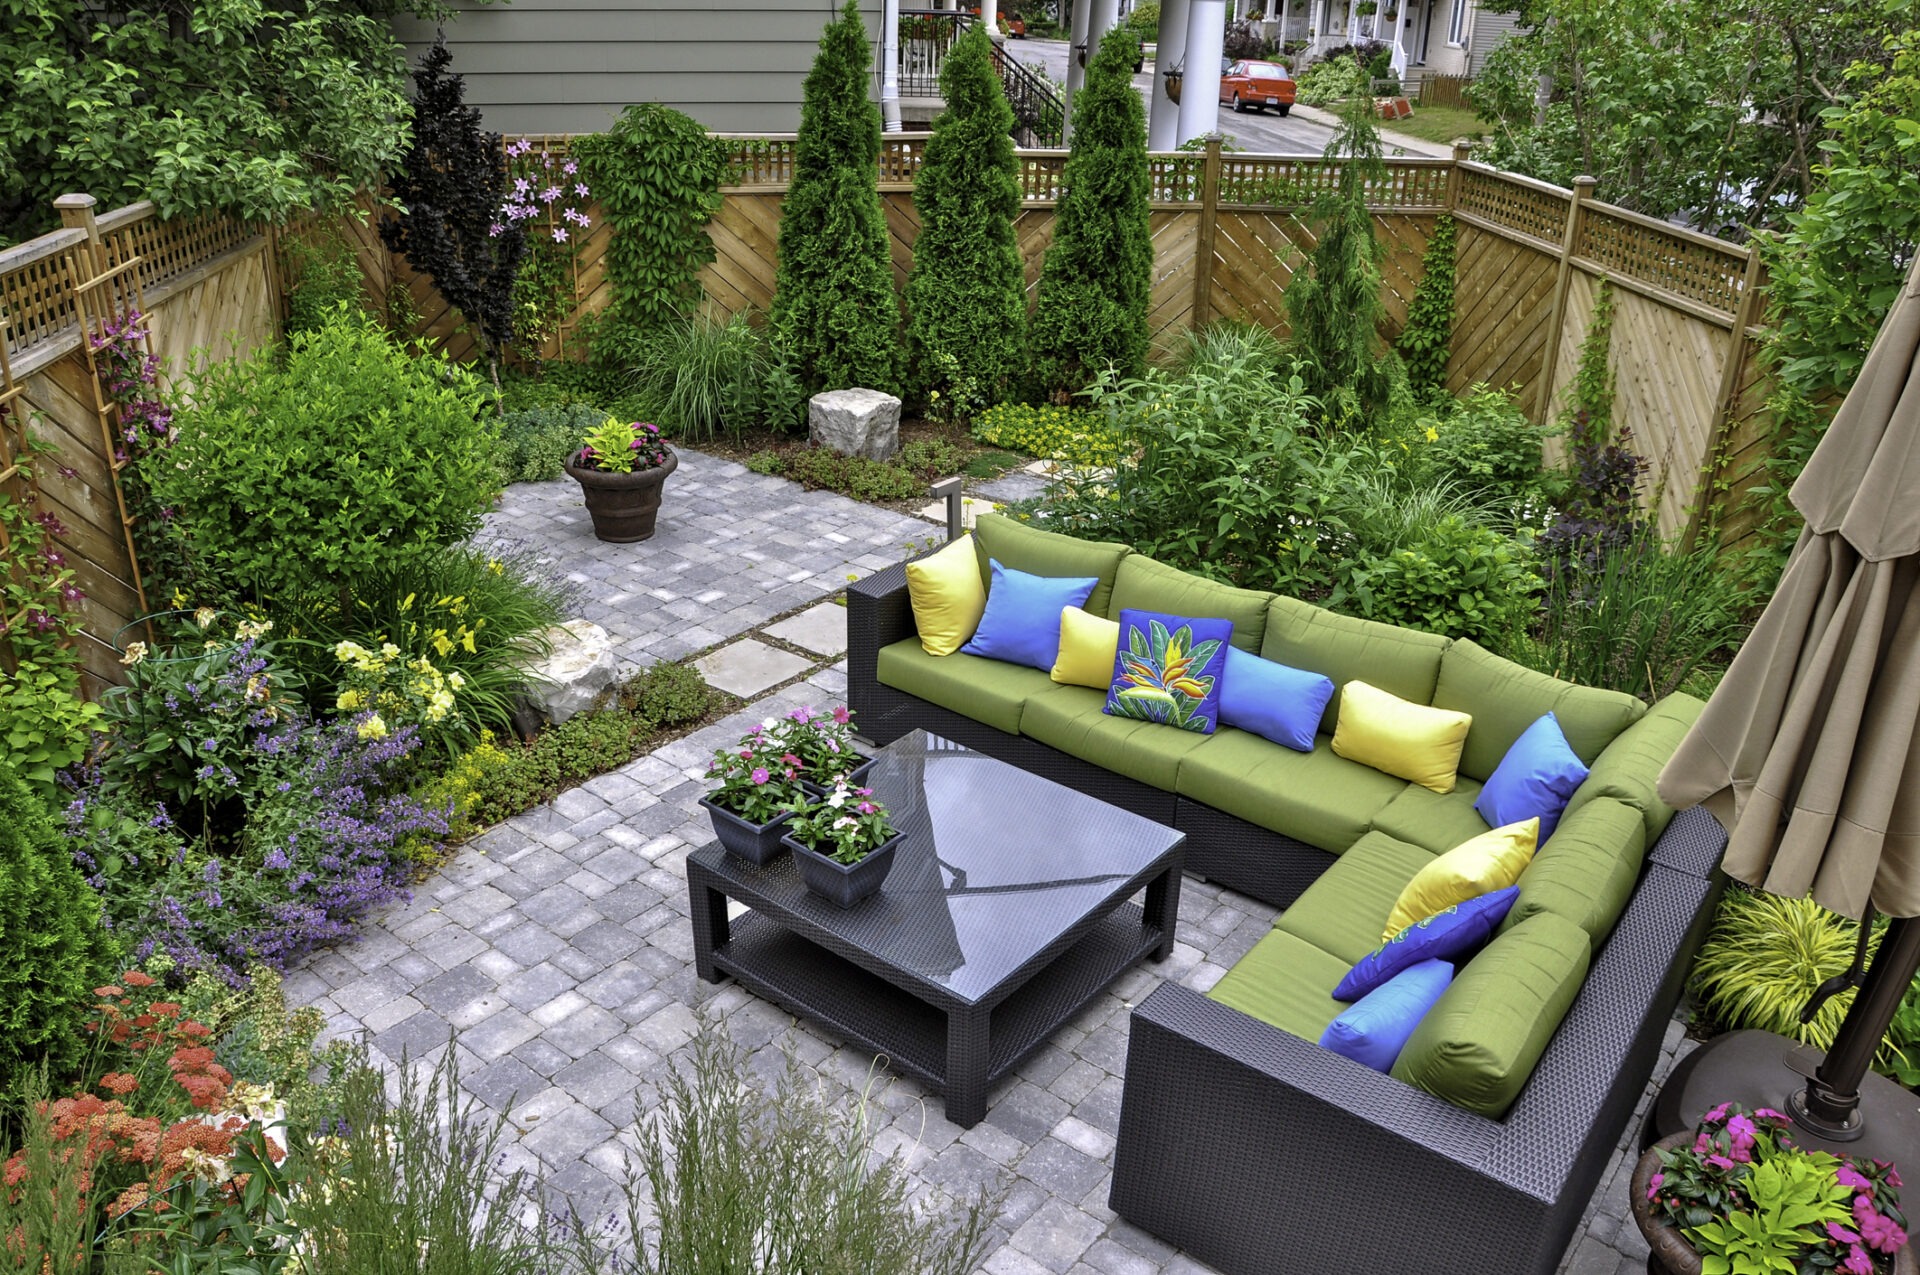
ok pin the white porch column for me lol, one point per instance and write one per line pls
(1200, 89)
(1163, 124)
(990, 15)
(1400, 39)
(890, 66)
(1076, 74)
(1286, 22)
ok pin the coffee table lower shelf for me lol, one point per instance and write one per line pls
(807, 979)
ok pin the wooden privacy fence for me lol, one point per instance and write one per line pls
(206, 283)
(1228, 235)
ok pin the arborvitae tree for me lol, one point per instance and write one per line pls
(833, 301)
(55, 950)
(966, 297)
(1334, 303)
(453, 187)
(1428, 337)
(1098, 272)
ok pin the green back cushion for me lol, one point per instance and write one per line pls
(1431, 820)
(1341, 647)
(1506, 698)
(1477, 1046)
(1027, 548)
(1147, 585)
(1587, 869)
(1630, 768)
(1343, 912)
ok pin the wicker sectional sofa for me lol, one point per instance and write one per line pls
(1243, 1141)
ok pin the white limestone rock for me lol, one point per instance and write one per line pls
(575, 674)
(855, 422)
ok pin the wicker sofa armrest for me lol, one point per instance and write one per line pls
(1249, 1147)
(1692, 843)
(879, 614)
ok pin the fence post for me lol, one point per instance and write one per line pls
(1557, 315)
(1203, 248)
(1727, 400)
(1462, 151)
(76, 213)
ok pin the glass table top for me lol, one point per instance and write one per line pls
(996, 864)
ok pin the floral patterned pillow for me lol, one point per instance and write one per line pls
(1169, 670)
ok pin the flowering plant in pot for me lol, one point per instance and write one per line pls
(843, 844)
(622, 466)
(758, 788)
(1738, 1194)
(824, 744)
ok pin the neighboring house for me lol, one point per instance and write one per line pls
(571, 66)
(1430, 37)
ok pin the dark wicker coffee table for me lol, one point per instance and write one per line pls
(1006, 912)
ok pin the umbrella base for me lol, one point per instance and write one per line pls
(1760, 1069)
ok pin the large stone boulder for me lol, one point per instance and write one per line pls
(855, 422)
(577, 672)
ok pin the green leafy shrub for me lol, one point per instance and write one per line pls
(1098, 273)
(1331, 80)
(47, 726)
(352, 456)
(1457, 579)
(855, 476)
(670, 695)
(535, 442)
(1075, 436)
(966, 297)
(833, 302)
(657, 174)
(765, 462)
(1224, 341)
(1486, 446)
(322, 275)
(1639, 618)
(1427, 339)
(931, 457)
(1144, 21)
(55, 950)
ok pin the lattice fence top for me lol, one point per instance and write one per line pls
(168, 250)
(1703, 270)
(38, 307)
(1531, 208)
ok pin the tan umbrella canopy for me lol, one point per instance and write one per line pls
(1809, 751)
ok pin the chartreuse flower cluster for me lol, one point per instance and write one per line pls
(1071, 435)
(388, 691)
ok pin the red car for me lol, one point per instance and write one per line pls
(1256, 86)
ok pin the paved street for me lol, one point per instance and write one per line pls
(1305, 131)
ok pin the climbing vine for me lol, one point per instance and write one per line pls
(657, 173)
(1428, 337)
(1589, 411)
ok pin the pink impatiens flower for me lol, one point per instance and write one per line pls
(841, 715)
(1848, 1176)
(1653, 1184)
(760, 775)
(1859, 1262)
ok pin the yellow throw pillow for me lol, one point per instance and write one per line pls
(1491, 861)
(1088, 645)
(1406, 740)
(947, 596)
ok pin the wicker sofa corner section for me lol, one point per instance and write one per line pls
(1257, 1151)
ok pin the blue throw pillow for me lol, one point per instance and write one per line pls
(1440, 937)
(1534, 780)
(1168, 669)
(1022, 620)
(1375, 1028)
(1272, 700)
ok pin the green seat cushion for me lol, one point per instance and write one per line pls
(1587, 869)
(1479, 1043)
(1343, 648)
(1434, 821)
(1073, 719)
(1146, 585)
(1506, 698)
(1315, 797)
(1344, 911)
(1629, 769)
(988, 691)
(1285, 982)
(1027, 548)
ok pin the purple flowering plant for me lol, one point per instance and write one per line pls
(622, 447)
(549, 196)
(846, 825)
(822, 740)
(1747, 1197)
(756, 779)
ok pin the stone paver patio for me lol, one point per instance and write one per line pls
(556, 950)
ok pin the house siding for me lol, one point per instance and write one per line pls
(1489, 29)
(571, 66)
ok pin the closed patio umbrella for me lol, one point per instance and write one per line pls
(1809, 752)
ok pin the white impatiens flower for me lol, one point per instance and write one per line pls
(838, 799)
(136, 651)
(845, 821)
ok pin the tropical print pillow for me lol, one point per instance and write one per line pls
(1169, 670)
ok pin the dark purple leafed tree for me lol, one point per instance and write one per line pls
(452, 188)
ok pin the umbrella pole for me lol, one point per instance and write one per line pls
(1830, 1104)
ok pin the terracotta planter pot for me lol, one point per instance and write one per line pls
(623, 506)
(1671, 1254)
